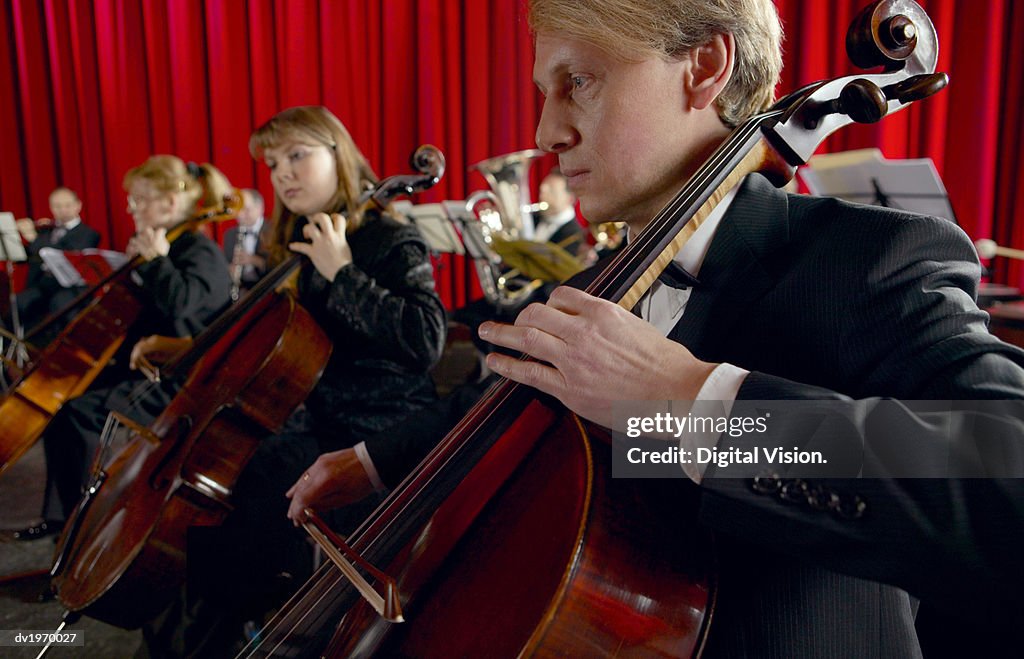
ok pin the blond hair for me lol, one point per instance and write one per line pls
(202, 185)
(316, 123)
(634, 30)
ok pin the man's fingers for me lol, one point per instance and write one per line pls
(528, 340)
(569, 300)
(531, 373)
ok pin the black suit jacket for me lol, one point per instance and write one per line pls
(824, 299)
(231, 237)
(566, 231)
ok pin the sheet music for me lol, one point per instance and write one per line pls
(79, 268)
(436, 227)
(11, 248)
(865, 176)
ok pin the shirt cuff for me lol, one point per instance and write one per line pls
(721, 387)
(723, 384)
(371, 471)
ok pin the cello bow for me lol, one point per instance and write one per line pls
(460, 495)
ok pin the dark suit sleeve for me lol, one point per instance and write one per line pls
(183, 283)
(397, 310)
(229, 243)
(396, 451)
(954, 542)
(81, 237)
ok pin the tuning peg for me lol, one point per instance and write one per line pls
(866, 103)
(916, 87)
(861, 100)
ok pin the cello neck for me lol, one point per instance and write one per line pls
(232, 204)
(630, 273)
(187, 359)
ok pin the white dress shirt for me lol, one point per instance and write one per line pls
(663, 307)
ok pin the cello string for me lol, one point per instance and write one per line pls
(439, 459)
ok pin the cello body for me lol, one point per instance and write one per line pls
(83, 348)
(536, 551)
(66, 367)
(511, 538)
(563, 560)
(122, 554)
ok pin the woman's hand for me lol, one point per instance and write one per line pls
(155, 350)
(148, 243)
(327, 248)
(334, 480)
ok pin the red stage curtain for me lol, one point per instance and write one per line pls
(90, 88)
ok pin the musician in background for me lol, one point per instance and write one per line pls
(557, 222)
(43, 294)
(243, 244)
(338, 479)
(183, 286)
(368, 282)
(798, 298)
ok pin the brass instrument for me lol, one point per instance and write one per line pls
(504, 213)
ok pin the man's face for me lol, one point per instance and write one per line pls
(620, 129)
(555, 194)
(64, 206)
(251, 212)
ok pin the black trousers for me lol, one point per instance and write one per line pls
(73, 437)
(37, 302)
(240, 570)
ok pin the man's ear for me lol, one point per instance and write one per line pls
(710, 70)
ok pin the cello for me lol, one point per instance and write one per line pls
(510, 538)
(74, 359)
(121, 556)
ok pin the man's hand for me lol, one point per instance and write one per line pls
(334, 480)
(327, 248)
(593, 352)
(27, 229)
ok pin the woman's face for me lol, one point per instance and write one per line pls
(304, 175)
(149, 207)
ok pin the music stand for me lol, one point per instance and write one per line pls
(470, 227)
(72, 268)
(11, 250)
(433, 223)
(865, 176)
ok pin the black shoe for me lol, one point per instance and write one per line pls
(40, 530)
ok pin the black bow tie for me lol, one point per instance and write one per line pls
(676, 276)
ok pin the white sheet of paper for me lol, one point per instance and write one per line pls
(912, 185)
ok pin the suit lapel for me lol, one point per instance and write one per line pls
(734, 273)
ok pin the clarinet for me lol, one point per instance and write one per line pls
(236, 265)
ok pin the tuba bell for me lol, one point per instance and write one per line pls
(505, 214)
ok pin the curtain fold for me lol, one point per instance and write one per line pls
(90, 88)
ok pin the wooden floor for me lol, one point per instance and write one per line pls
(21, 495)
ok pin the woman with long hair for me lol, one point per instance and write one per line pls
(368, 282)
(181, 286)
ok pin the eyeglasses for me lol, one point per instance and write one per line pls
(137, 203)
